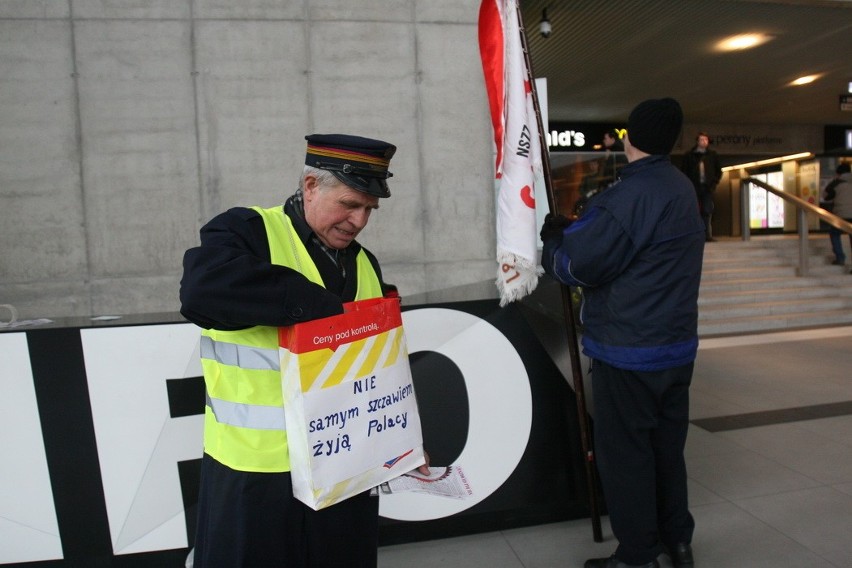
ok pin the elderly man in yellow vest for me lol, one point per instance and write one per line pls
(258, 269)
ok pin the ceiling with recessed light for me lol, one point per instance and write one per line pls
(604, 56)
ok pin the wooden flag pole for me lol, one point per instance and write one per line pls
(568, 305)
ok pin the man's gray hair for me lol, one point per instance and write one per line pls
(324, 177)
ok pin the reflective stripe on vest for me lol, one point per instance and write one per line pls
(244, 424)
(243, 356)
(247, 415)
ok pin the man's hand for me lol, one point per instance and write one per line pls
(551, 236)
(424, 469)
(553, 226)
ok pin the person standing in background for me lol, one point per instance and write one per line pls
(637, 252)
(840, 194)
(614, 158)
(701, 165)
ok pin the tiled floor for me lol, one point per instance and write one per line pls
(775, 495)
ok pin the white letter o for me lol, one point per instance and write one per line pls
(500, 407)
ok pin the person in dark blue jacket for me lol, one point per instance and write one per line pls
(637, 252)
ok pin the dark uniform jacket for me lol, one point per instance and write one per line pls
(248, 518)
(712, 168)
(229, 282)
(712, 174)
(637, 253)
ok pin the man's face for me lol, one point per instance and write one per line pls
(703, 142)
(336, 213)
(608, 140)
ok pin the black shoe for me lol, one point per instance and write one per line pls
(681, 555)
(613, 562)
(709, 240)
(838, 262)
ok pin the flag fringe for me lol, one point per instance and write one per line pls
(524, 282)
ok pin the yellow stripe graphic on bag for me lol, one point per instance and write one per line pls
(325, 368)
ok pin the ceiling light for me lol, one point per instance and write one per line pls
(805, 80)
(742, 41)
(769, 161)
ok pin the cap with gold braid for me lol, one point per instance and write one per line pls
(361, 163)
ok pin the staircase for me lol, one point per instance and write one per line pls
(751, 286)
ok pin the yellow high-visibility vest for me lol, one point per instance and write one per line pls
(244, 425)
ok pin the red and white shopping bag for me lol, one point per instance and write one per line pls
(351, 413)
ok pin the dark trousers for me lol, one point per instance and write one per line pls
(252, 520)
(640, 424)
(707, 206)
(708, 227)
(835, 235)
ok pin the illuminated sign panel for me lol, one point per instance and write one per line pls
(578, 136)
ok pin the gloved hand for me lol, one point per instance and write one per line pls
(553, 226)
(551, 236)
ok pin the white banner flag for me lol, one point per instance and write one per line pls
(516, 136)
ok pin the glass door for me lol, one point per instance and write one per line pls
(766, 210)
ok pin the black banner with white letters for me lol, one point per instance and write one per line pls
(103, 426)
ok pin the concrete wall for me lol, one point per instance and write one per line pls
(126, 124)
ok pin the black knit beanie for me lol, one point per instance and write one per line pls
(654, 125)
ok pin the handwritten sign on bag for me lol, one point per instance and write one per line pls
(352, 418)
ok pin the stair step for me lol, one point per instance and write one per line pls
(740, 272)
(754, 284)
(750, 264)
(760, 309)
(776, 294)
(773, 322)
(816, 273)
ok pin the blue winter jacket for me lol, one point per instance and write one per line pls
(637, 252)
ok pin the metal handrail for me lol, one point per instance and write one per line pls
(803, 208)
